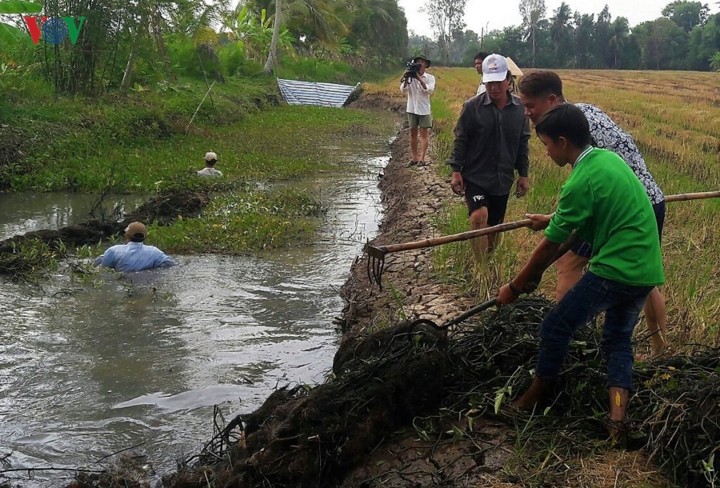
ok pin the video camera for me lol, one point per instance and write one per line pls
(412, 70)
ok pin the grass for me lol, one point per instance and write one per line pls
(241, 221)
(140, 141)
(677, 128)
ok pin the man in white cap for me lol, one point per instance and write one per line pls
(134, 256)
(209, 170)
(491, 143)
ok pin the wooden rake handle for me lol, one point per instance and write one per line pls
(462, 236)
(495, 229)
(681, 197)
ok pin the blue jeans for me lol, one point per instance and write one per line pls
(589, 297)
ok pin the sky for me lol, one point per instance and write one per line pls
(478, 16)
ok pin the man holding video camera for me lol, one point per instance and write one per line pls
(418, 85)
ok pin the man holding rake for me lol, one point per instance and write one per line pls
(602, 202)
(542, 90)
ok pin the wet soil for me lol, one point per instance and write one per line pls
(163, 209)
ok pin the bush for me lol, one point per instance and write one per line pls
(235, 63)
(313, 69)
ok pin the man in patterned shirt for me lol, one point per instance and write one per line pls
(539, 92)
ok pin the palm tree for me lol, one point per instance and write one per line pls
(320, 15)
(272, 55)
(532, 12)
(560, 33)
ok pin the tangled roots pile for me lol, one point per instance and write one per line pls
(417, 375)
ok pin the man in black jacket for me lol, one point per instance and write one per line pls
(491, 143)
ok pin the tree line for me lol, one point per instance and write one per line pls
(130, 44)
(685, 37)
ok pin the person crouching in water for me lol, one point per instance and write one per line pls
(604, 203)
(209, 169)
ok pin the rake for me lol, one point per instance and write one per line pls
(376, 254)
(460, 318)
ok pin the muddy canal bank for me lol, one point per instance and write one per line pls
(345, 432)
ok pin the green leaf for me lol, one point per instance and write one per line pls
(12, 35)
(499, 397)
(19, 7)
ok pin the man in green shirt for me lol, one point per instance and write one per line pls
(602, 202)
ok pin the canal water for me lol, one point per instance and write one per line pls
(90, 369)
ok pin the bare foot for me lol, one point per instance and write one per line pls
(617, 431)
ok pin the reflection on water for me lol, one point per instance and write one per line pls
(26, 212)
(87, 370)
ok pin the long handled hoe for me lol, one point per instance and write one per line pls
(376, 254)
(460, 318)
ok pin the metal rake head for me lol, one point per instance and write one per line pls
(375, 263)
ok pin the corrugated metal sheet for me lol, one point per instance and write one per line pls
(313, 93)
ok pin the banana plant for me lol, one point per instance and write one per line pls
(256, 32)
(10, 35)
(20, 7)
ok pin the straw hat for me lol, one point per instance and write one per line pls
(514, 70)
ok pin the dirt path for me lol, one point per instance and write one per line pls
(412, 196)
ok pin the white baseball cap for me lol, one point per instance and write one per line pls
(494, 68)
(210, 156)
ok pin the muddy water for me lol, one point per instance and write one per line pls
(25, 212)
(89, 369)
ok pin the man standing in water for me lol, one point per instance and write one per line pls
(418, 89)
(491, 144)
(209, 169)
(134, 255)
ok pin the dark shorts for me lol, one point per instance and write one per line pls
(419, 121)
(476, 198)
(584, 249)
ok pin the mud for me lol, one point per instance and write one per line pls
(162, 210)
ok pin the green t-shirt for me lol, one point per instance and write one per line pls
(606, 204)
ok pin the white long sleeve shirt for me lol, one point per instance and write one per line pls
(418, 98)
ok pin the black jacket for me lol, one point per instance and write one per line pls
(491, 144)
